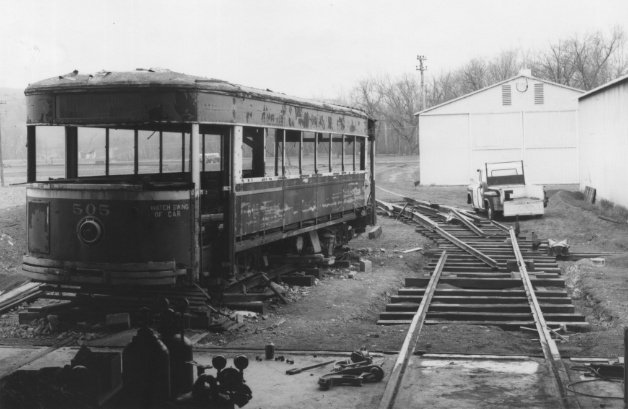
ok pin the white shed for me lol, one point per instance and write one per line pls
(522, 118)
(603, 140)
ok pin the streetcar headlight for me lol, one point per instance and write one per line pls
(89, 230)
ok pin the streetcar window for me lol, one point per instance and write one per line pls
(121, 151)
(337, 162)
(273, 153)
(349, 153)
(211, 153)
(361, 151)
(148, 151)
(50, 152)
(292, 152)
(186, 165)
(323, 150)
(307, 166)
(253, 152)
(91, 151)
(172, 152)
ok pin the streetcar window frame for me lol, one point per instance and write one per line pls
(329, 151)
(74, 139)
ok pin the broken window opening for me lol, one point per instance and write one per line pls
(323, 153)
(253, 156)
(308, 152)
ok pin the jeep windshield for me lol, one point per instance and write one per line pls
(505, 173)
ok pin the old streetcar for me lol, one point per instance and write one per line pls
(166, 178)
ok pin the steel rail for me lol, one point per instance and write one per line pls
(550, 350)
(427, 223)
(500, 226)
(409, 344)
(475, 229)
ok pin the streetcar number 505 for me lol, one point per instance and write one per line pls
(90, 209)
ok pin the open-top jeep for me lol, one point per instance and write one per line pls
(502, 188)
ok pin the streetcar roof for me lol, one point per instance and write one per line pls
(163, 78)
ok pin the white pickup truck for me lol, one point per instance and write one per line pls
(501, 188)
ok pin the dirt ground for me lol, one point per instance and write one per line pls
(340, 313)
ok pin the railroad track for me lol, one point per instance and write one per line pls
(474, 292)
(480, 274)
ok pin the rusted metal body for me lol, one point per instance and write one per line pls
(142, 97)
(141, 222)
(107, 234)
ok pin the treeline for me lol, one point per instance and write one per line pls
(583, 61)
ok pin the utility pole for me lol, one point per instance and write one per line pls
(421, 68)
(1, 163)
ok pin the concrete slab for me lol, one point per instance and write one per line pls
(431, 381)
(272, 388)
(58, 357)
(471, 383)
(11, 358)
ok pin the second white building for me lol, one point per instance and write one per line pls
(522, 118)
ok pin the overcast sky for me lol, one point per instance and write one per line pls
(305, 48)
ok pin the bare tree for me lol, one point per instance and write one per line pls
(393, 102)
(506, 65)
(474, 74)
(585, 62)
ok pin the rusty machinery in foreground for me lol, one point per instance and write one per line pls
(162, 178)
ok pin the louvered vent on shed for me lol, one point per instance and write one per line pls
(539, 97)
(506, 95)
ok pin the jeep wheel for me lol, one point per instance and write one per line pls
(490, 211)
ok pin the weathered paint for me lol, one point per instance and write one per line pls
(268, 205)
(127, 98)
(165, 100)
(38, 226)
(137, 225)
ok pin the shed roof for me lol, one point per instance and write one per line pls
(451, 101)
(604, 86)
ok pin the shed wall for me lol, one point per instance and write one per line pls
(445, 151)
(603, 139)
(544, 135)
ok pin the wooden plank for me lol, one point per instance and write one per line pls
(507, 325)
(409, 344)
(483, 292)
(17, 291)
(477, 299)
(481, 316)
(488, 283)
(18, 300)
(233, 297)
(306, 281)
(501, 308)
(273, 289)
(254, 306)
